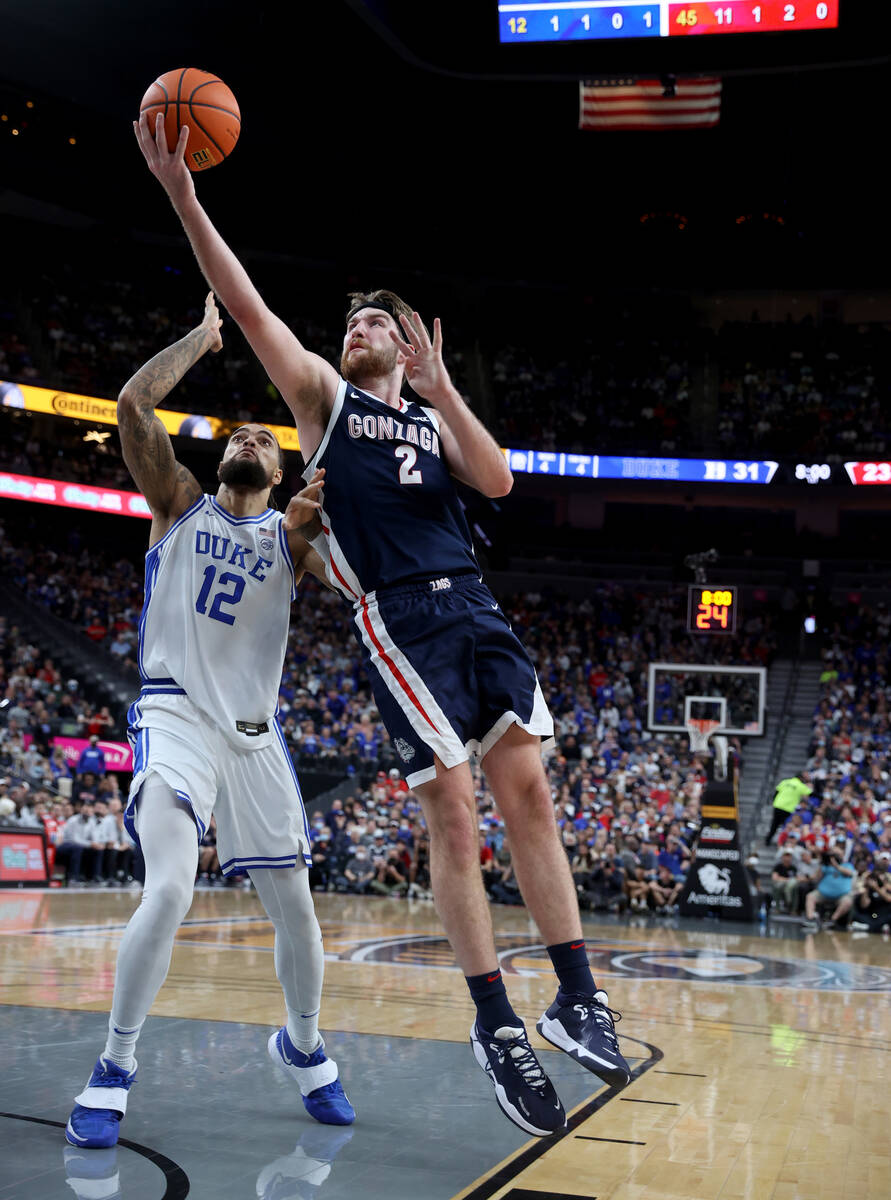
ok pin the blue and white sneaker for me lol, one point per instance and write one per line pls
(316, 1076)
(95, 1120)
(585, 1029)
(524, 1093)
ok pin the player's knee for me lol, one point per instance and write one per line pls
(533, 810)
(173, 896)
(456, 839)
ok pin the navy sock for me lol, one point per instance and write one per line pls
(571, 964)
(492, 1005)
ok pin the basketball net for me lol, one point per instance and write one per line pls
(699, 730)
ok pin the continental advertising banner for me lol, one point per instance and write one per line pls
(104, 412)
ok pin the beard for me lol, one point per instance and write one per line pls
(371, 364)
(244, 473)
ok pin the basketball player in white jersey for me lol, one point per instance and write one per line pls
(449, 676)
(221, 573)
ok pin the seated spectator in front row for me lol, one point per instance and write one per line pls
(784, 881)
(665, 889)
(359, 872)
(873, 909)
(320, 870)
(808, 867)
(835, 883)
(74, 845)
(391, 874)
(505, 889)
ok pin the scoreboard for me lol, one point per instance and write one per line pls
(602, 20)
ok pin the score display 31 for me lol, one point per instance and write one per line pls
(711, 609)
(599, 20)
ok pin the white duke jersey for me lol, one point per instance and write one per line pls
(214, 624)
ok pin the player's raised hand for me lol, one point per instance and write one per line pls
(212, 321)
(167, 166)
(424, 368)
(303, 512)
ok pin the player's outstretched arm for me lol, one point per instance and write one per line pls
(168, 487)
(306, 381)
(472, 454)
(302, 523)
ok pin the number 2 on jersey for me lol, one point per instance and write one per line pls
(408, 473)
(221, 597)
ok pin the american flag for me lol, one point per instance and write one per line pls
(629, 104)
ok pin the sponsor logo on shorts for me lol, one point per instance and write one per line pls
(405, 751)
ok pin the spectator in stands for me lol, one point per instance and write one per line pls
(487, 858)
(58, 764)
(73, 848)
(85, 789)
(419, 871)
(808, 866)
(784, 880)
(834, 886)
(675, 856)
(320, 868)
(359, 871)
(872, 912)
(505, 889)
(120, 851)
(665, 889)
(103, 836)
(391, 877)
(789, 794)
(208, 861)
(99, 724)
(92, 758)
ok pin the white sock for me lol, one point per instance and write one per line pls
(121, 1044)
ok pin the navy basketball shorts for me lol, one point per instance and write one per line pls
(449, 675)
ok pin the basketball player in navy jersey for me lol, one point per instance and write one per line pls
(221, 572)
(449, 676)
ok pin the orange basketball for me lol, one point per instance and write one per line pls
(195, 98)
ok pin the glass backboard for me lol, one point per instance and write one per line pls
(735, 696)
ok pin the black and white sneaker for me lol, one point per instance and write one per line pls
(524, 1093)
(585, 1029)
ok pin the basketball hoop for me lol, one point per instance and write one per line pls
(699, 730)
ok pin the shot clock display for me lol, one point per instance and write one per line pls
(597, 20)
(711, 609)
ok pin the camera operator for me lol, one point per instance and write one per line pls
(835, 883)
(873, 909)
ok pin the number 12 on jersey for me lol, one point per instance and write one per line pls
(221, 597)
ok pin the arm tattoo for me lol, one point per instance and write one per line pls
(147, 448)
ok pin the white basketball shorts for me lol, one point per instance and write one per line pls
(254, 794)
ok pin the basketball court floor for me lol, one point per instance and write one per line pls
(760, 1058)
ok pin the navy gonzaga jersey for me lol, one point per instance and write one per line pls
(391, 513)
